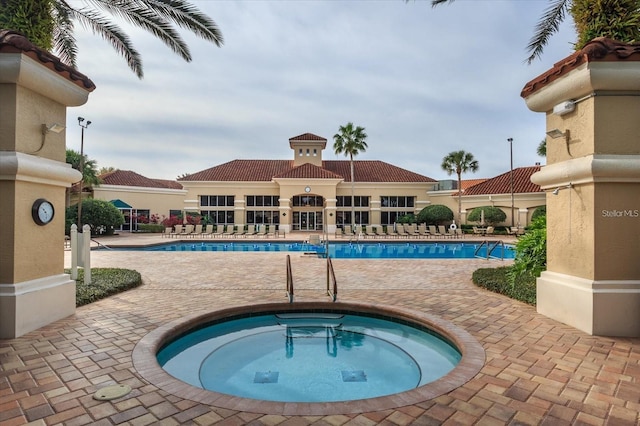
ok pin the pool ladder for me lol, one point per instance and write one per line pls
(491, 246)
(332, 282)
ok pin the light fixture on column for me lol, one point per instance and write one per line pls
(560, 188)
(54, 127)
(556, 133)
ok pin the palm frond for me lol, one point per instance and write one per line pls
(435, 3)
(148, 19)
(112, 34)
(64, 42)
(189, 17)
(549, 24)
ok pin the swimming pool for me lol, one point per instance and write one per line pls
(350, 250)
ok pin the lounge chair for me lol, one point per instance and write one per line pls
(188, 230)
(167, 232)
(262, 230)
(348, 232)
(391, 233)
(314, 239)
(380, 232)
(371, 231)
(219, 231)
(401, 231)
(229, 231)
(271, 231)
(423, 231)
(442, 230)
(339, 232)
(459, 233)
(490, 230)
(433, 231)
(197, 231)
(240, 232)
(411, 230)
(208, 231)
(251, 231)
(177, 230)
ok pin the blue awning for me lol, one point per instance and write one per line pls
(121, 204)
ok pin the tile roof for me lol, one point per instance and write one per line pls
(129, 178)
(307, 137)
(266, 170)
(468, 183)
(501, 184)
(308, 171)
(600, 49)
(14, 42)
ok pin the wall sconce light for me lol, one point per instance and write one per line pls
(564, 108)
(558, 189)
(284, 214)
(555, 134)
(331, 214)
(55, 128)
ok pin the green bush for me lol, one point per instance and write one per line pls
(498, 281)
(539, 212)
(151, 227)
(102, 216)
(104, 283)
(408, 218)
(492, 215)
(436, 214)
(531, 251)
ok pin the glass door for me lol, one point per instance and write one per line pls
(307, 221)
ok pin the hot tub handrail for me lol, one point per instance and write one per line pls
(331, 277)
(289, 280)
(490, 249)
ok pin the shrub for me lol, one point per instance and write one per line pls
(171, 221)
(531, 251)
(101, 216)
(498, 281)
(150, 227)
(492, 215)
(539, 212)
(408, 218)
(436, 214)
(104, 283)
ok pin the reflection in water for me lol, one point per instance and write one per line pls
(334, 335)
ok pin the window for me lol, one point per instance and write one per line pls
(219, 217)
(345, 201)
(256, 217)
(389, 218)
(216, 200)
(308, 201)
(344, 218)
(394, 201)
(224, 214)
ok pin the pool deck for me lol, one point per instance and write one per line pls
(537, 371)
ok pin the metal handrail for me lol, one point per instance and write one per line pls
(490, 249)
(331, 277)
(100, 244)
(289, 280)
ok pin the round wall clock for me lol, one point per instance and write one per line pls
(42, 211)
(307, 189)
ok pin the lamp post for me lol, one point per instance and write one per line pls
(83, 126)
(510, 140)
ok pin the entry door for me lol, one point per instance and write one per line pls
(309, 221)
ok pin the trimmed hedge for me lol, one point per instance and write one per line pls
(151, 227)
(105, 282)
(497, 280)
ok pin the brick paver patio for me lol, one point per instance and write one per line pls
(537, 371)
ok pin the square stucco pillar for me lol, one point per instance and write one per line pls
(35, 90)
(592, 178)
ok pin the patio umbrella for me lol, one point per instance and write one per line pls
(482, 217)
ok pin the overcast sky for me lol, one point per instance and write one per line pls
(423, 82)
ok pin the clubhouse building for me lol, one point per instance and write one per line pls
(308, 193)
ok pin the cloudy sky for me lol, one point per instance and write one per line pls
(423, 82)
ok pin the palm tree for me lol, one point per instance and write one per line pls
(459, 162)
(89, 172)
(616, 19)
(49, 24)
(350, 141)
(541, 150)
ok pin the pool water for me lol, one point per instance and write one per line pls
(309, 357)
(388, 250)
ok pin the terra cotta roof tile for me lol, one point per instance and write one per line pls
(129, 178)
(501, 184)
(14, 42)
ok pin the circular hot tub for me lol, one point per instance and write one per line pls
(309, 358)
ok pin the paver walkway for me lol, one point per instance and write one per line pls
(537, 371)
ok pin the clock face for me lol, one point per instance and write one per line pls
(307, 189)
(42, 211)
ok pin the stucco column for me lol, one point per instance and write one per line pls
(592, 179)
(330, 218)
(35, 90)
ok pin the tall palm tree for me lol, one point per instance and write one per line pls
(89, 173)
(50, 24)
(616, 19)
(459, 162)
(350, 141)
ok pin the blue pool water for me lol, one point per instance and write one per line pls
(389, 250)
(309, 357)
